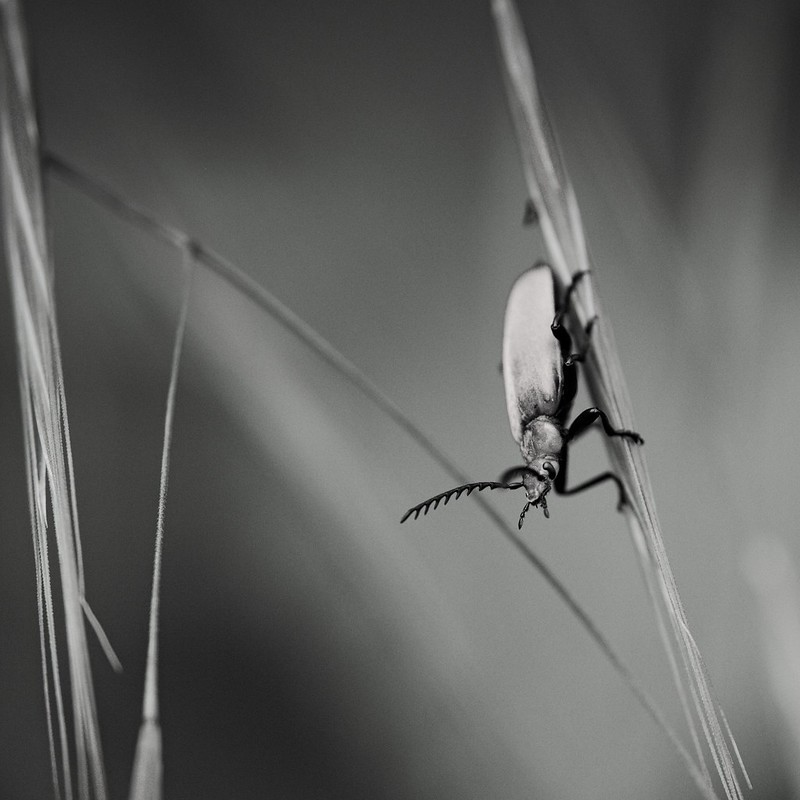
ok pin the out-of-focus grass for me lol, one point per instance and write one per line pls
(772, 575)
(76, 756)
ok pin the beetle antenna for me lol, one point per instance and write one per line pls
(522, 516)
(433, 502)
(543, 504)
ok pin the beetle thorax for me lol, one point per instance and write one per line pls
(542, 440)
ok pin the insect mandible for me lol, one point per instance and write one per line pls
(541, 380)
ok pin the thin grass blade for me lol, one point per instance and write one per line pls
(555, 203)
(146, 779)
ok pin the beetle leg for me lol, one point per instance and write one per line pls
(570, 386)
(605, 476)
(582, 422)
(568, 358)
(587, 332)
(560, 332)
(576, 279)
(562, 335)
(563, 307)
(558, 329)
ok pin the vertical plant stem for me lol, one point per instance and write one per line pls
(48, 459)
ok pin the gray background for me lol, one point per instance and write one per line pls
(357, 159)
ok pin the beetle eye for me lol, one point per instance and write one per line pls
(550, 469)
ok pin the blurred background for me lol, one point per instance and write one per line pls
(357, 159)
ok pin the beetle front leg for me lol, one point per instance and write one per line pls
(582, 422)
(605, 476)
(560, 483)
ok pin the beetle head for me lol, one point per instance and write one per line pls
(538, 479)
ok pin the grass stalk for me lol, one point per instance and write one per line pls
(554, 199)
(48, 456)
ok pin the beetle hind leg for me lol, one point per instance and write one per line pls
(560, 331)
(574, 358)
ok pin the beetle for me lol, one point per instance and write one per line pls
(541, 379)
